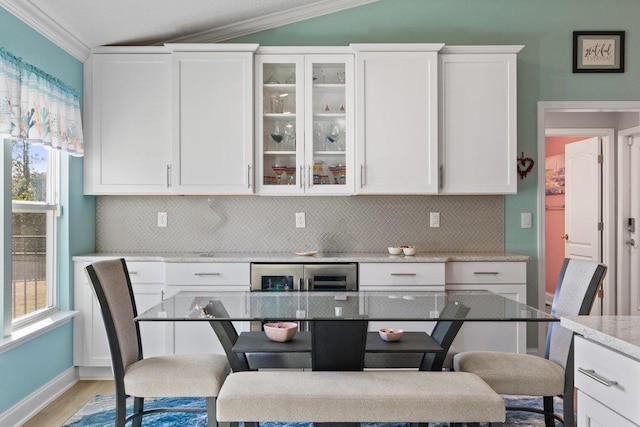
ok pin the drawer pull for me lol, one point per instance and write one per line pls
(495, 273)
(206, 274)
(594, 376)
(403, 274)
(133, 272)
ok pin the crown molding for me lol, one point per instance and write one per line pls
(34, 17)
(31, 15)
(273, 20)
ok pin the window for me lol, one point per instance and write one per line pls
(33, 233)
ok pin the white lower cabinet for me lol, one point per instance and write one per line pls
(608, 385)
(198, 337)
(399, 276)
(91, 348)
(508, 279)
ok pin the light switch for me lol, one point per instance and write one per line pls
(525, 220)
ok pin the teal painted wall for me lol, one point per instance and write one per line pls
(544, 27)
(26, 368)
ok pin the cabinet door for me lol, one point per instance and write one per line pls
(478, 123)
(129, 123)
(198, 337)
(91, 347)
(213, 95)
(280, 124)
(397, 276)
(592, 413)
(508, 279)
(396, 122)
(329, 133)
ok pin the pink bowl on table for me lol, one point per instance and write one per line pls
(281, 331)
(389, 334)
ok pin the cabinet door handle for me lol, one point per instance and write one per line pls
(597, 377)
(361, 175)
(206, 274)
(248, 176)
(168, 176)
(479, 273)
(301, 176)
(309, 177)
(403, 274)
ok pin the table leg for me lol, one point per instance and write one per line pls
(338, 345)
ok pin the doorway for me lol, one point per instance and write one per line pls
(628, 302)
(585, 118)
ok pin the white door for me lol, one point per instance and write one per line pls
(630, 233)
(583, 187)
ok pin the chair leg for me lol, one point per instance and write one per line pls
(211, 412)
(547, 404)
(138, 407)
(121, 409)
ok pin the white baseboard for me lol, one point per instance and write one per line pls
(19, 413)
(95, 373)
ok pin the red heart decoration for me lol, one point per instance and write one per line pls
(525, 165)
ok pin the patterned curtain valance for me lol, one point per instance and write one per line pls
(37, 107)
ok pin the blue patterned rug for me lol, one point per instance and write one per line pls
(99, 412)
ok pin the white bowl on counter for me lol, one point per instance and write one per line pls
(409, 250)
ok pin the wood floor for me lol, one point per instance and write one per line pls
(61, 409)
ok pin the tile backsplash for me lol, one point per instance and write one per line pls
(267, 224)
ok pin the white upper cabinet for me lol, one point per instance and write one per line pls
(127, 121)
(213, 119)
(304, 118)
(478, 140)
(396, 118)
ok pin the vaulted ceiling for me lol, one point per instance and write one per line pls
(79, 25)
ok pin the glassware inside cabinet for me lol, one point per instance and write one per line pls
(278, 123)
(329, 127)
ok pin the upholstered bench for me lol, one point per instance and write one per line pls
(364, 396)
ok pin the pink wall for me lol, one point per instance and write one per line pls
(554, 218)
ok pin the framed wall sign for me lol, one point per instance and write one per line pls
(598, 51)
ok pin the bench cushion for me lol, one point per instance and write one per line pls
(369, 396)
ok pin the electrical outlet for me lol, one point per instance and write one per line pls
(300, 220)
(434, 219)
(162, 219)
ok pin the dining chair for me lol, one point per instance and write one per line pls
(443, 332)
(189, 375)
(551, 375)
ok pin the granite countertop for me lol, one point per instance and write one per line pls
(621, 333)
(319, 257)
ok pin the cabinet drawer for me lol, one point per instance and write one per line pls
(486, 272)
(208, 273)
(595, 365)
(139, 271)
(390, 273)
(146, 272)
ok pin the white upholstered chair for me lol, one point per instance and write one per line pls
(551, 375)
(191, 375)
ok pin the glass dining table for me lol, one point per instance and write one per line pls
(337, 320)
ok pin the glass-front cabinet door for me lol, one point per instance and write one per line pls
(305, 124)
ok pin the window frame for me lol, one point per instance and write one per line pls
(52, 208)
